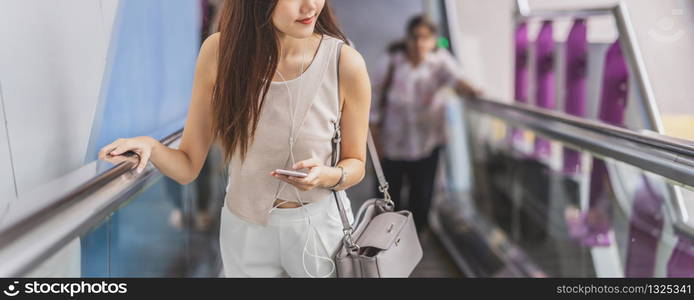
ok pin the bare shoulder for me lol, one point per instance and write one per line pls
(207, 58)
(352, 64)
(353, 72)
(211, 44)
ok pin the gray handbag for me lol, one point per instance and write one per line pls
(382, 242)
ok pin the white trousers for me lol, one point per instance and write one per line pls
(297, 242)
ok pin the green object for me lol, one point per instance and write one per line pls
(443, 42)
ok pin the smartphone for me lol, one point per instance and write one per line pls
(291, 173)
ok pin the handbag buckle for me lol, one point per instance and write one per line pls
(349, 242)
(386, 196)
(337, 136)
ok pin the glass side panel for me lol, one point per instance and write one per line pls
(597, 218)
(163, 229)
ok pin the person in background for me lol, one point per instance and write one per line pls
(407, 120)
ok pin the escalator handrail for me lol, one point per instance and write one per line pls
(675, 160)
(32, 221)
(653, 153)
(637, 66)
(681, 148)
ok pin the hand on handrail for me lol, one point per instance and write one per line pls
(465, 89)
(122, 149)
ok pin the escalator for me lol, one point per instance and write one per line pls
(595, 190)
(103, 220)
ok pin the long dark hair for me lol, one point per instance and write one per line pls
(414, 22)
(248, 58)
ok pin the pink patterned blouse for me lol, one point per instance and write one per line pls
(414, 117)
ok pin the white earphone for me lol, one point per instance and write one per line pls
(291, 141)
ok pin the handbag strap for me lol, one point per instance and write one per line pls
(382, 183)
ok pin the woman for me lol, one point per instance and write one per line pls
(407, 120)
(270, 87)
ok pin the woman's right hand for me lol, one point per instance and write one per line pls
(142, 146)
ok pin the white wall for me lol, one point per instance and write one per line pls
(482, 41)
(51, 66)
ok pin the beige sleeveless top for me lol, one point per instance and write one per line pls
(251, 191)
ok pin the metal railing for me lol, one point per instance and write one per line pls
(648, 149)
(32, 237)
(628, 41)
(637, 66)
(650, 152)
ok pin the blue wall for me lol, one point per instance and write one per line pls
(145, 91)
(148, 79)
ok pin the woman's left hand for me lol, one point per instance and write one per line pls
(318, 174)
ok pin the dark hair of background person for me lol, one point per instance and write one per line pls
(248, 56)
(412, 24)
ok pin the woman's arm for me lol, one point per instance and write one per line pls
(453, 74)
(463, 88)
(355, 90)
(355, 99)
(183, 164)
